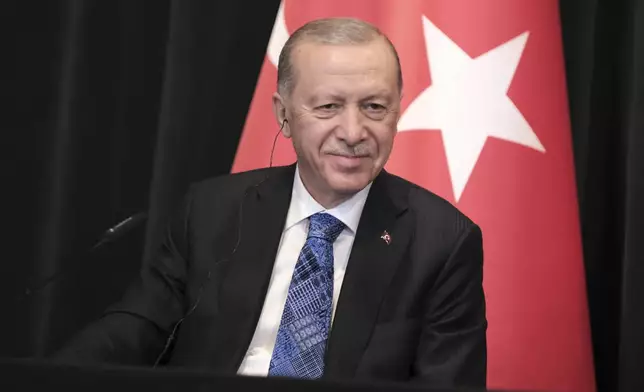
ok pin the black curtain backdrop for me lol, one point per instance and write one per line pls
(114, 107)
(604, 51)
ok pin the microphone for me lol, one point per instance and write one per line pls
(120, 229)
(110, 235)
(173, 333)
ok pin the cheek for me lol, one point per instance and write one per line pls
(384, 138)
(309, 138)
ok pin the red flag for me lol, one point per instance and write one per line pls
(485, 125)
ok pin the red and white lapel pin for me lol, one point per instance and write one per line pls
(386, 237)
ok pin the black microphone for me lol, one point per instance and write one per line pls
(110, 235)
(193, 307)
(120, 229)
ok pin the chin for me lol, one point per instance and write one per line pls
(349, 183)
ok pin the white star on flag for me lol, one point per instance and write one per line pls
(468, 101)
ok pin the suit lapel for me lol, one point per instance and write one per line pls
(371, 265)
(244, 286)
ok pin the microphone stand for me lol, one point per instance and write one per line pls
(110, 235)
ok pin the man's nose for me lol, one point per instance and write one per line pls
(352, 128)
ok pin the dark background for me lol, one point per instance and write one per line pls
(114, 107)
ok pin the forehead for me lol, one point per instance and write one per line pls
(318, 67)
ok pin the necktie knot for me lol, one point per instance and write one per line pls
(325, 226)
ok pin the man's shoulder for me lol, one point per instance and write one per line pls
(234, 182)
(427, 205)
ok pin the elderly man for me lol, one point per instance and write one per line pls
(328, 268)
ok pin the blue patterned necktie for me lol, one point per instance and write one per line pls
(306, 320)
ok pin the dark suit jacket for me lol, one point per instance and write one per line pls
(413, 309)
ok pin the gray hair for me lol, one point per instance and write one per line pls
(329, 31)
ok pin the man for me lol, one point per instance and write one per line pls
(330, 267)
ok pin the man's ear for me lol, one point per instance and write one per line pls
(279, 109)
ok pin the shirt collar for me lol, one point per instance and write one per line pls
(303, 205)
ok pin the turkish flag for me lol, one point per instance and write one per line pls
(485, 125)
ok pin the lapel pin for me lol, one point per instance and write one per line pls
(386, 237)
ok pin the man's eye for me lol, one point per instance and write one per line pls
(328, 106)
(375, 107)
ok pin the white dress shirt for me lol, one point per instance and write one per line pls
(258, 357)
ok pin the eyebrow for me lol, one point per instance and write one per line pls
(315, 99)
(336, 97)
(380, 95)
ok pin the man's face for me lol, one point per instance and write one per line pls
(342, 114)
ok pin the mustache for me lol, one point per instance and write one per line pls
(359, 150)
